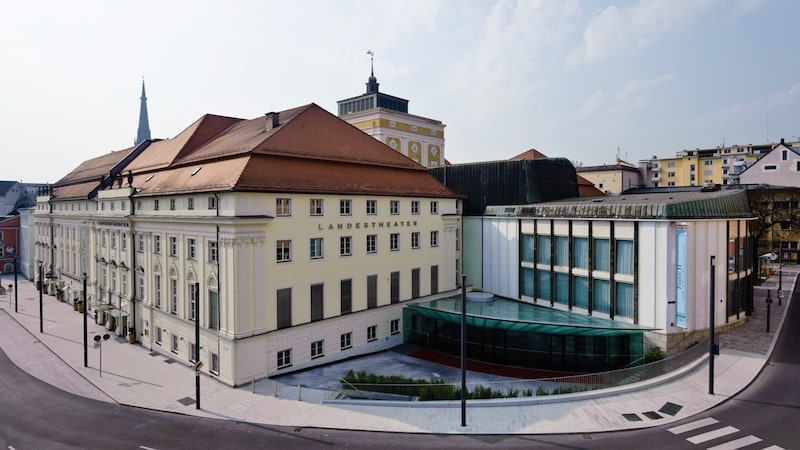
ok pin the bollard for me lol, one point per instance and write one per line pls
(275, 388)
(254, 385)
(769, 303)
(299, 397)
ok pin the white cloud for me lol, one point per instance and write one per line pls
(616, 31)
(636, 94)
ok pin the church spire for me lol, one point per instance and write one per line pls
(372, 83)
(143, 133)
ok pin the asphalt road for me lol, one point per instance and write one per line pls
(36, 415)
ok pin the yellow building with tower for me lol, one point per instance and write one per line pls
(386, 118)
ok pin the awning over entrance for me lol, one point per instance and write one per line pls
(504, 314)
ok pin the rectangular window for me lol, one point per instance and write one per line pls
(140, 242)
(174, 345)
(283, 250)
(173, 246)
(372, 333)
(434, 238)
(770, 167)
(172, 204)
(123, 241)
(213, 310)
(562, 251)
(528, 277)
(284, 313)
(191, 203)
(212, 204)
(155, 205)
(624, 257)
(346, 296)
(372, 243)
(345, 245)
(786, 226)
(434, 280)
(562, 288)
(394, 289)
(415, 283)
(602, 299)
(543, 249)
(157, 244)
(708, 162)
(415, 239)
(623, 301)
(173, 296)
(283, 207)
(317, 349)
(284, 358)
(191, 248)
(193, 294)
(394, 241)
(580, 292)
(157, 282)
(394, 326)
(317, 302)
(434, 207)
(215, 364)
(415, 207)
(372, 207)
(346, 341)
(192, 352)
(394, 207)
(158, 335)
(372, 291)
(213, 253)
(527, 248)
(543, 284)
(113, 240)
(601, 259)
(345, 207)
(315, 248)
(140, 287)
(315, 207)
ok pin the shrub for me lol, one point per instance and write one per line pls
(654, 354)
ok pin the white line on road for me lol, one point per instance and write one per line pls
(719, 432)
(693, 425)
(738, 443)
(146, 448)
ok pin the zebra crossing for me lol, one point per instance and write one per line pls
(708, 429)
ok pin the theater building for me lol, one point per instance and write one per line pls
(293, 239)
(590, 284)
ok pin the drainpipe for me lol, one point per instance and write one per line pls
(133, 261)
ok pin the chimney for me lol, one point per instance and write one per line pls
(273, 120)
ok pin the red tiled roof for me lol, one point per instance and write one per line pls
(309, 151)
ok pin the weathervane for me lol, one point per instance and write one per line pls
(371, 62)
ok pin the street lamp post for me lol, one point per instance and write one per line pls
(197, 363)
(41, 288)
(712, 346)
(769, 303)
(463, 350)
(780, 275)
(85, 329)
(16, 304)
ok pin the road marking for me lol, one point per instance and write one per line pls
(693, 425)
(146, 448)
(774, 447)
(713, 434)
(738, 443)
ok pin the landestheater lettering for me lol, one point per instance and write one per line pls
(368, 225)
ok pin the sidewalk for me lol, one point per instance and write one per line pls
(132, 375)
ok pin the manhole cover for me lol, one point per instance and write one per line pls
(670, 408)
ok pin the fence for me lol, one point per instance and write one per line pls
(369, 387)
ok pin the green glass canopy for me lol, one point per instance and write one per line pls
(505, 314)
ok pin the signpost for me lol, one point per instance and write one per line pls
(98, 342)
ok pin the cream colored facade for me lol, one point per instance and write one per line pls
(418, 138)
(145, 258)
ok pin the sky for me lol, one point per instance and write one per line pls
(589, 81)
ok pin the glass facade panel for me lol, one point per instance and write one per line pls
(580, 249)
(543, 284)
(624, 257)
(527, 248)
(543, 249)
(562, 288)
(528, 276)
(580, 292)
(602, 299)
(562, 251)
(601, 258)
(623, 302)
